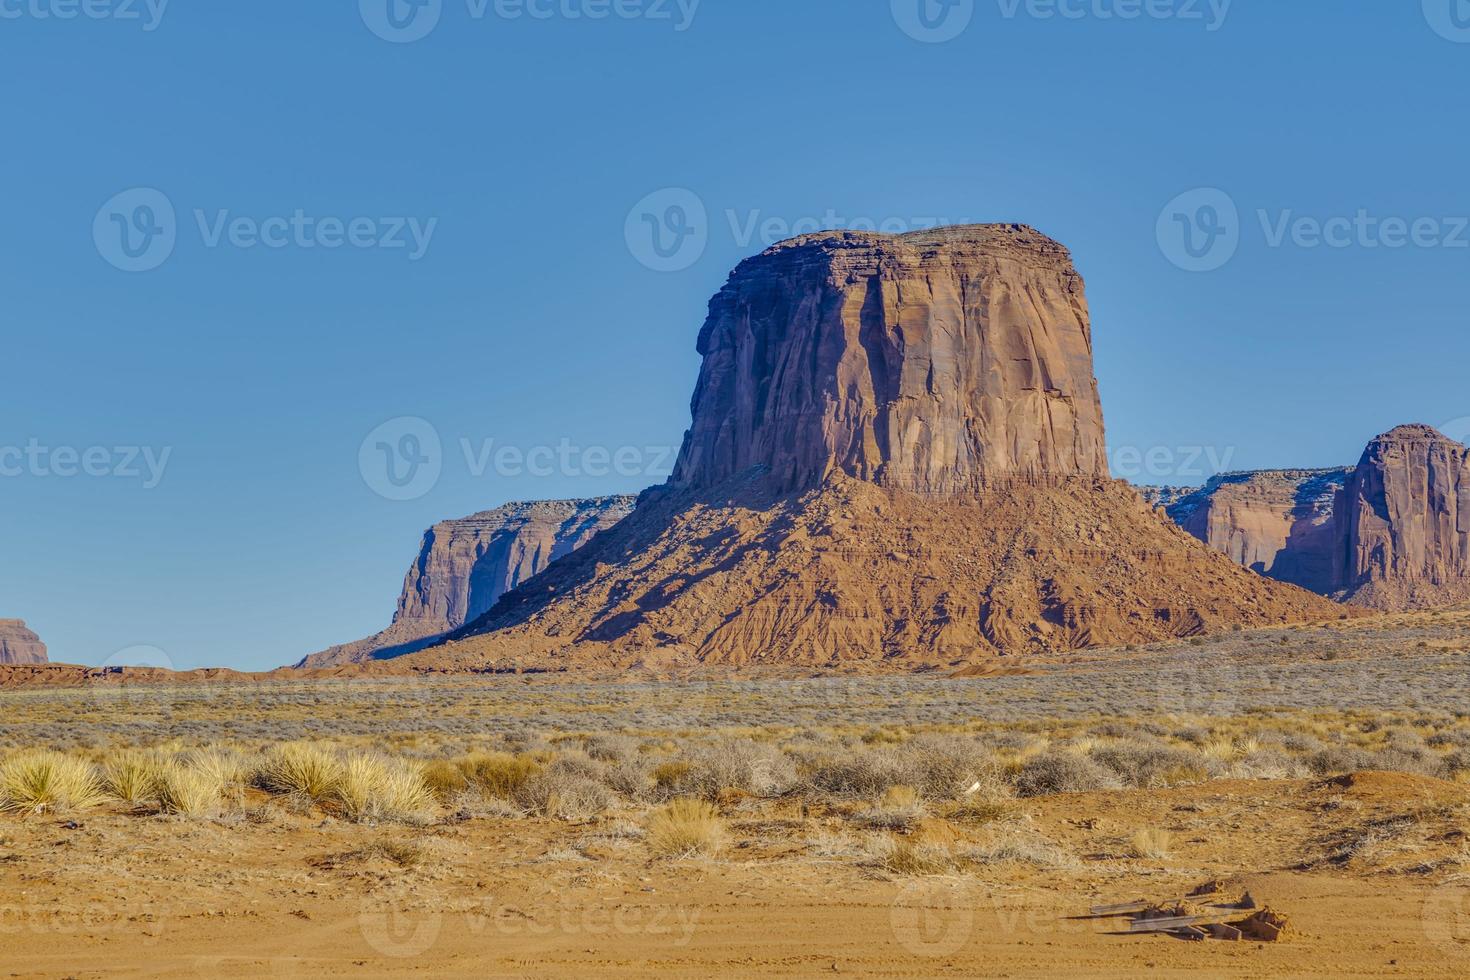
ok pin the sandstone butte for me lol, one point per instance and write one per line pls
(896, 461)
(463, 566)
(1392, 533)
(18, 645)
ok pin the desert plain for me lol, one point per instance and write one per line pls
(898, 826)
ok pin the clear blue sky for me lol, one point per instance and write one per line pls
(528, 319)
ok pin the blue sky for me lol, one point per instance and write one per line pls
(526, 321)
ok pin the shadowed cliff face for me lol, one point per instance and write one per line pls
(18, 645)
(1408, 520)
(936, 362)
(465, 565)
(1391, 533)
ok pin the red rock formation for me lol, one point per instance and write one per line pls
(1408, 521)
(1279, 523)
(1392, 533)
(18, 645)
(895, 462)
(465, 565)
(935, 362)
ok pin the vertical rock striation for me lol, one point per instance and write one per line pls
(937, 362)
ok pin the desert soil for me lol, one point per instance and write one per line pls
(110, 894)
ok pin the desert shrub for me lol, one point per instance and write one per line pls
(131, 775)
(735, 764)
(899, 809)
(564, 790)
(1337, 759)
(668, 776)
(1150, 766)
(300, 768)
(374, 787)
(684, 828)
(610, 748)
(1269, 764)
(188, 790)
(1063, 772)
(42, 780)
(946, 767)
(1421, 761)
(499, 774)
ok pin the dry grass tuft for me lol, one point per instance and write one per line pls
(42, 781)
(374, 787)
(188, 790)
(302, 769)
(132, 775)
(1151, 842)
(685, 828)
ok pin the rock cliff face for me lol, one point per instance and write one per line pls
(465, 565)
(1407, 517)
(1279, 523)
(895, 462)
(18, 645)
(936, 362)
(1391, 533)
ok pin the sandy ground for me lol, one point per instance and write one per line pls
(296, 894)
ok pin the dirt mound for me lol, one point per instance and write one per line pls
(853, 576)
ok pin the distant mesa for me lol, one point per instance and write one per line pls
(896, 461)
(1392, 533)
(464, 566)
(18, 645)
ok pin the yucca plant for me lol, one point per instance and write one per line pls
(297, 767)
(42, 780)
(132, 776)
(684, 828)
(189, 791)
(373, 787)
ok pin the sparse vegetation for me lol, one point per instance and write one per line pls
(684, 828)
